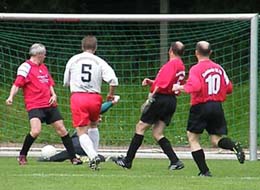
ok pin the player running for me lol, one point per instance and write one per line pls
(208, 85)
(84, 74)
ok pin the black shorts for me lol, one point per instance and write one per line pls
(161, 110)
(209, 116)
(46, 115)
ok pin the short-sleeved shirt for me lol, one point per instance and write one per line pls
(85, 71)
(172, 72)
(207, 81)
(84, 74)
(35, 81)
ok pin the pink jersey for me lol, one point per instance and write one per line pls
(172, 72)
(207, 81)
(35, 81)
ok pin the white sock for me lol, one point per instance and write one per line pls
(93, 134)
(87, 146)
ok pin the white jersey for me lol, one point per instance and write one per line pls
(85, 71)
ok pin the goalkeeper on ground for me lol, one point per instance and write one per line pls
(63, 155)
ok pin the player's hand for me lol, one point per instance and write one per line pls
(176, 87)
(9, 101)
(146, 82)
(53, 99)
(110, 97)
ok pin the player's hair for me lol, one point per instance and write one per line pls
(89, 43)
(177, 48)
(37, 48)
(203, 48)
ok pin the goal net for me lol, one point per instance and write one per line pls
(135, 49)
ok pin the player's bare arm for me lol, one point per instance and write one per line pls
(147, 81)
(53, 98)
(177, 87)
(110, 95)
(13, 92)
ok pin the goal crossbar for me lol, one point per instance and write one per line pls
(124, 17)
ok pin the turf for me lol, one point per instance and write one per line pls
(146, 174)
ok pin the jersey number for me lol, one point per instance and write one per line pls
(213, 84)
(86, 74)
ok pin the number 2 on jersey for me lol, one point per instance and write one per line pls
(85, 71)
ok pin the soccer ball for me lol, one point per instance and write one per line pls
(48, 151)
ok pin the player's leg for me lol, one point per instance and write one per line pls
(60, 157)
(217, 128)
(87, 145)
(35, 124)
(85, 109)
(66, 140)
(228, 144)
(93, 134)
(166, 106)
(126, 162)
(198, 153)
(175, 163)
(35, 117)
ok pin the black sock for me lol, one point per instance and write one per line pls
(67, 142)
(199, 158)
(28, 141)
(167, 149)
(135, 144)
(226, 143)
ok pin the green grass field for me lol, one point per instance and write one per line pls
(146, 174)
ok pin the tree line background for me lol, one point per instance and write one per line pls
(129, 7)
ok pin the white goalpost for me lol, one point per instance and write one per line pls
(135, 71)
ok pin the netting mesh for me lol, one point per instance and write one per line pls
(133, 50)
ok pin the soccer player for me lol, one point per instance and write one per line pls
(159, 109)
(63, 155)
(84, 74)
(208, 85)
(40, 101)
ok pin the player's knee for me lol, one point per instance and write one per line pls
(35, 132)
(61, 130)
(141, 127)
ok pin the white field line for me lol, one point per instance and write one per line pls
(142, 153)
(93, 175)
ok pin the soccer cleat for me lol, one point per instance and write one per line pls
(176, 166)
(207, 174)
(76, 161)
(120, 161)
(22, 160)
(102, 158)
(93, 164)
(239, 153)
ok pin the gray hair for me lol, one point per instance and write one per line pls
(37, 48)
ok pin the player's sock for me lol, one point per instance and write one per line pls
(199, 158)
(135, 144)
(28, 141)
(67, 142)
(93, 134)
(87, 145)
(226, 143)
(167, 149)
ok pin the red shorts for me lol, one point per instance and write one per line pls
(85, 108)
